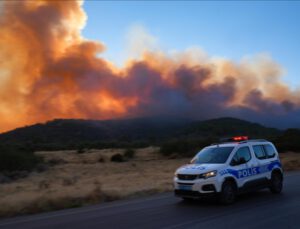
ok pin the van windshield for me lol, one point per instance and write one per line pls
(212, 155)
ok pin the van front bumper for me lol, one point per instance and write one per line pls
(193, 194)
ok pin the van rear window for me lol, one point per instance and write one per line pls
(259, 152)
(270, 151)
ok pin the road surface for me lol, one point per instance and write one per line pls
(257, 210)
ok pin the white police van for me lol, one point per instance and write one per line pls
(229, 168)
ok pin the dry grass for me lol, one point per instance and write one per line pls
(290, 161)
(80, 179)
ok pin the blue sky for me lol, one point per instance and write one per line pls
(225, 29)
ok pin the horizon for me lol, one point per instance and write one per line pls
(143, 118)
(84, 65)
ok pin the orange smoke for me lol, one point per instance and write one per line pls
(47, 70)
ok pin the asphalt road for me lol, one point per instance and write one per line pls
(256, 210)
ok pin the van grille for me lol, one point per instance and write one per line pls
(187, 176)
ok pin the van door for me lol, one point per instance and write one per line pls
(240, 166)
(261, 163)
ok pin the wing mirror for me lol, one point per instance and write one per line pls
(239, 162)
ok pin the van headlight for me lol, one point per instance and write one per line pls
(208, 174)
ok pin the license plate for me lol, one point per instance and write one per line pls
(185, 187)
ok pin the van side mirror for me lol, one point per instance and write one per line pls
(238, 162)
(242, 161)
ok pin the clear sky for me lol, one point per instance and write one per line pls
(226, 29)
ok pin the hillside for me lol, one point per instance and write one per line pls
(174, 137)
(224, 127)
(70, 133)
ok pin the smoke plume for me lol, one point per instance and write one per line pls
(48, 70)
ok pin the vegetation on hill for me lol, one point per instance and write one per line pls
(226, 127)
(174, 136)
(72, 134)
(289, 140)
(199, 134)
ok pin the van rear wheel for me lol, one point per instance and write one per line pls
(276, 183)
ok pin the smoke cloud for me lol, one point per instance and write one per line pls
(48, 70)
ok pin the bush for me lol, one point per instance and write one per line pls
(129, 153)
(80, 150)
(117, 158)
(101, 160)
(181, 147)
(56, 161)
(288, 141)
(17, 158)
(186, 147)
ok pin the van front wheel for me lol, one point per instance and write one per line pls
(228, 193)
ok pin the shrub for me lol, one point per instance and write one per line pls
(178, 146)
(288, 141)
(41, 168)
(4, 179)
(129, 153)
(56, 161)
(44, 184)
(15, 158)
(69, 181)
(117, 158)
(101, 160)
(80, 150)
(186, 147)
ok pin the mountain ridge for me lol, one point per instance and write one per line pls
(148, 129)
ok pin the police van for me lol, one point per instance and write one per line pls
(228, 168)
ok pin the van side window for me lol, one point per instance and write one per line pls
(259, 152)
(244, 152)
(241, 153)
(235, 160)
(270, 151)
